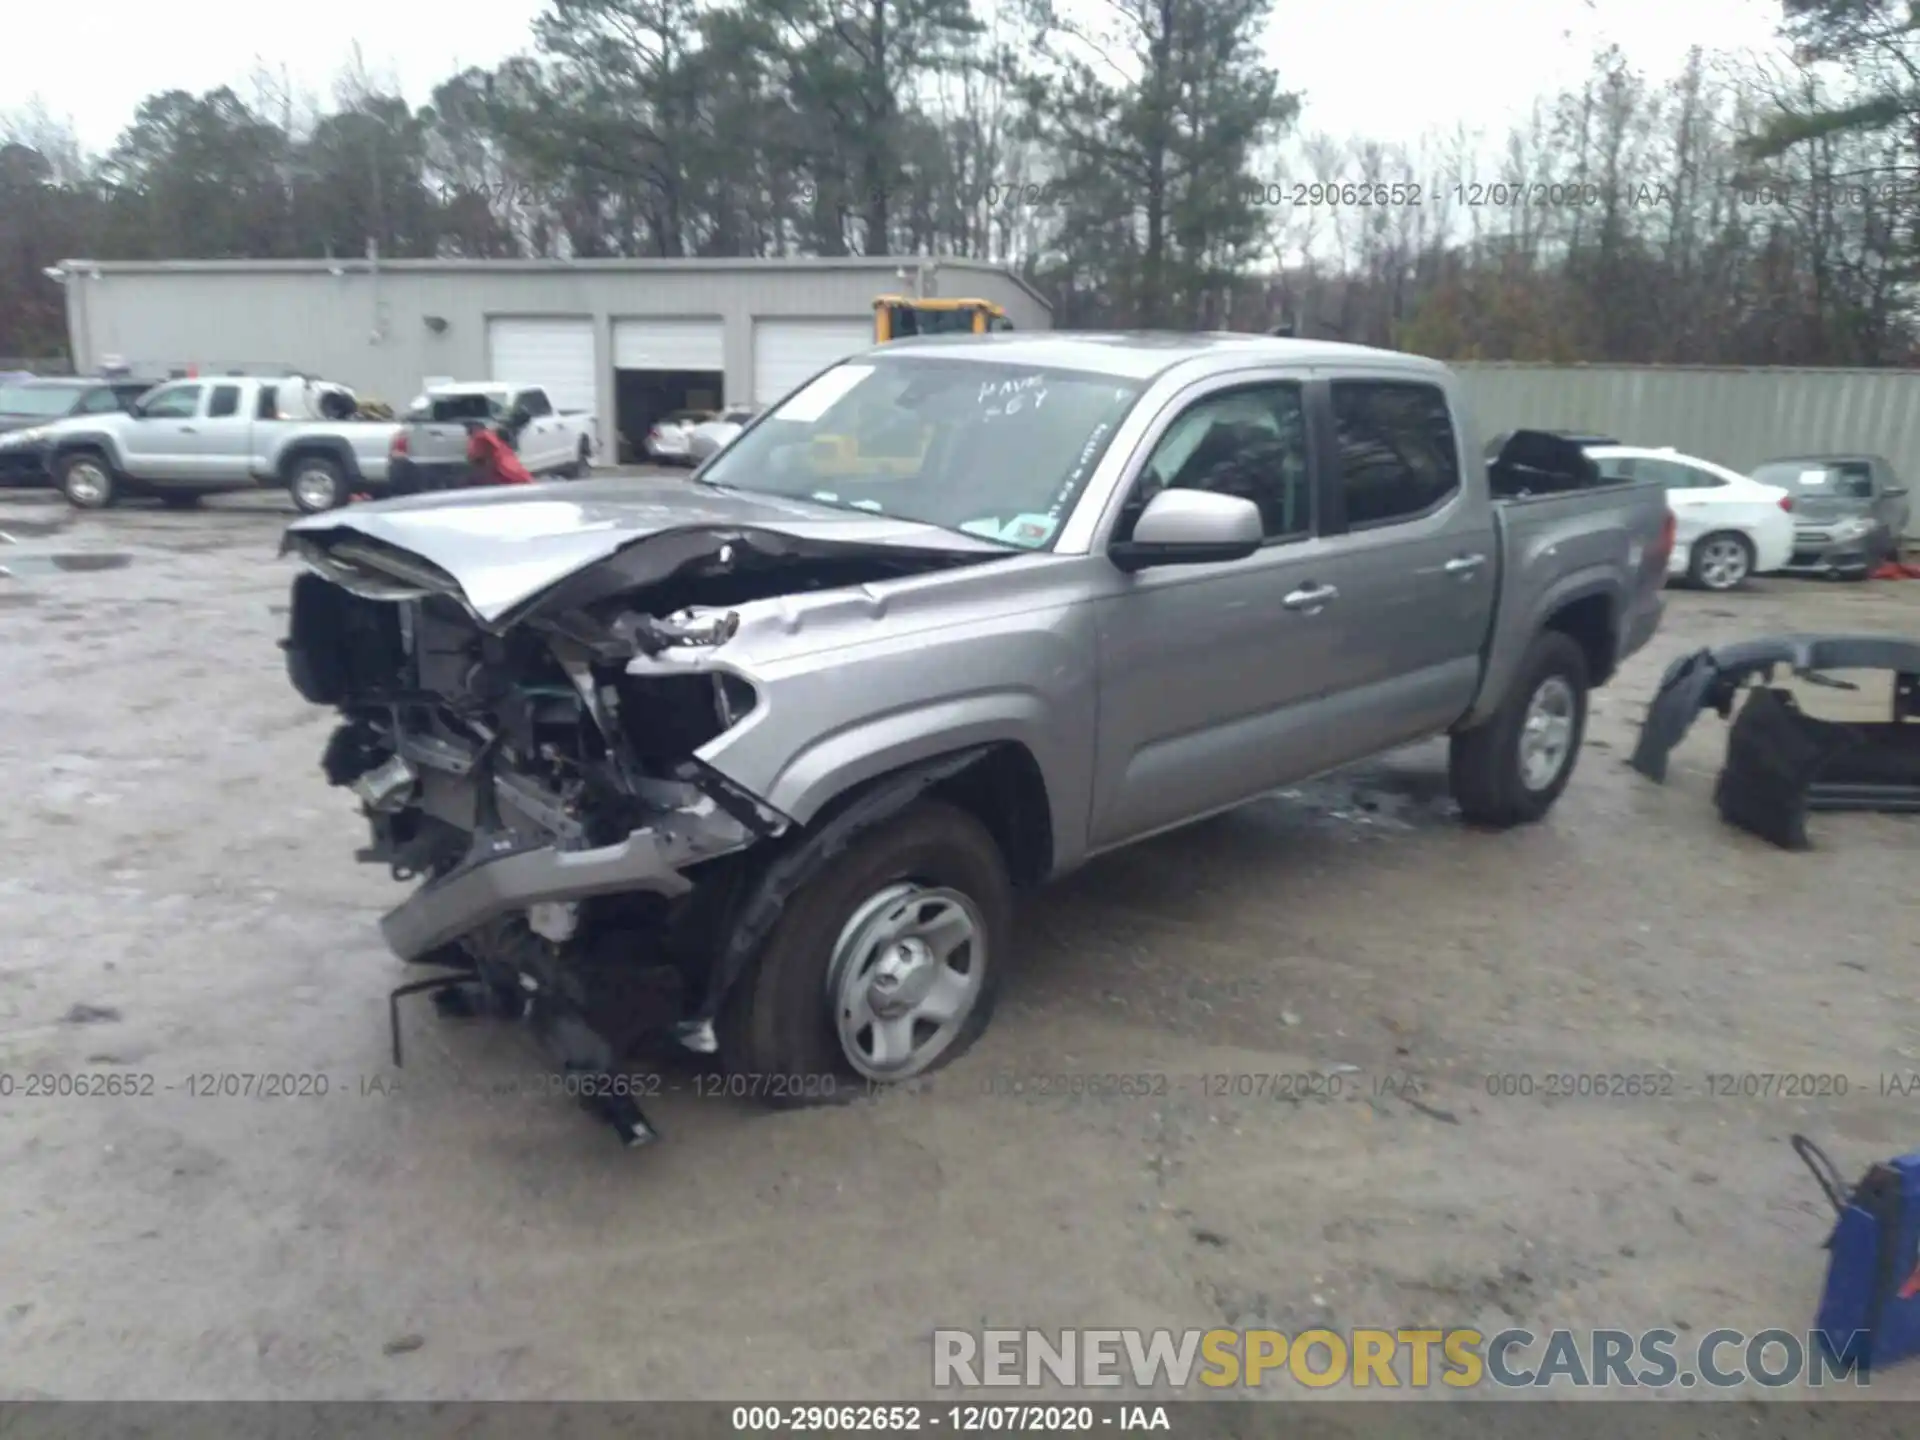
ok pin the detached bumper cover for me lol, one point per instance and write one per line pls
(1782, 763)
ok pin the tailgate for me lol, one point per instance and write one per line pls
(437, 443)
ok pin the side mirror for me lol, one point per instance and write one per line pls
(1190, 527)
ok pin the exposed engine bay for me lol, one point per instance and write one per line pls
(576, 863)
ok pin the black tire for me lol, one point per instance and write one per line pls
(582, 465)
(777, 1029)
(317, 483)
(1484, 763)
(1696, 572)
(180, 499)
(86, 478)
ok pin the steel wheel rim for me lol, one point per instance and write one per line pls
(87, 483)
(1546, 735)
(313, 489)
(907, 971)
(1723, 564)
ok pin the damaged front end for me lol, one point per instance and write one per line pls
(535, 773)
(1782, 763)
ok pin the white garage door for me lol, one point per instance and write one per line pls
(555, 354)
(787, 352)
(668, 345)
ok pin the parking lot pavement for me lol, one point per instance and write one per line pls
(179, 902)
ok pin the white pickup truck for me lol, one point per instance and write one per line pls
(430, 450)
(190, 438)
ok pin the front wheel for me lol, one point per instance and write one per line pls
(87, 481)
(1511, 769)
(317, 484)
(582, 465)
(1721, 561)
(883, 968)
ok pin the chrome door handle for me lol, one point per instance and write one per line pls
(1464, 564)
(188, 430)
(1310, 597)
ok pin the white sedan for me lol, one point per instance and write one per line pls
(1727, 526)
(667, 439)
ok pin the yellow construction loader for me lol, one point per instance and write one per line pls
(895, 317)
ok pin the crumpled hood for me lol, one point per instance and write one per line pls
(505, 545)
(12, 424)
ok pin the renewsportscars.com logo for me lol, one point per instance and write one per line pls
(1393, 1359)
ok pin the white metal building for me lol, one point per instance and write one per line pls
(628, 340)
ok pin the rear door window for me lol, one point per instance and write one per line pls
(1399, 458)
(224, 402)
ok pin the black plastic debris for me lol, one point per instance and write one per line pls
(1781, 762)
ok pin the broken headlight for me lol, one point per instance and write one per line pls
(733, 700)
(665, 718)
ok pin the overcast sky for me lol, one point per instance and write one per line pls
(1386, 69)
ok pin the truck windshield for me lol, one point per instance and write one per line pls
(998, 451)
(38, 400)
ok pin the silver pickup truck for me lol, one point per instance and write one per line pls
(430, 449)
(758, 759)
(191, 438)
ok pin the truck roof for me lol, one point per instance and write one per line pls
(1144, 354)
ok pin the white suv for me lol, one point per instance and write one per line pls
(1727, 526)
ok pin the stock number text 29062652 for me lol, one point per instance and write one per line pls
(1365, 194)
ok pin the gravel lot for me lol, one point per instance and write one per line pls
(179, 899)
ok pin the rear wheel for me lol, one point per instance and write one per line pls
(317, 484)
(883, 968)
(86, 479)
(1510, 770)
(582, 464)
(1721, 561)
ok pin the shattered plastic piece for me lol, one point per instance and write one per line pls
(697, 1036)
(386, 788)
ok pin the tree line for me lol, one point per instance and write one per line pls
(1139, 161)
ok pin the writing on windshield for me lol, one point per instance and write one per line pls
(996, 450)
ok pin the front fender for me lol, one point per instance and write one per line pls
(881, 744)
(101, 440)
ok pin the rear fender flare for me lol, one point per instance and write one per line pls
(331, 447)
(1504, 656)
